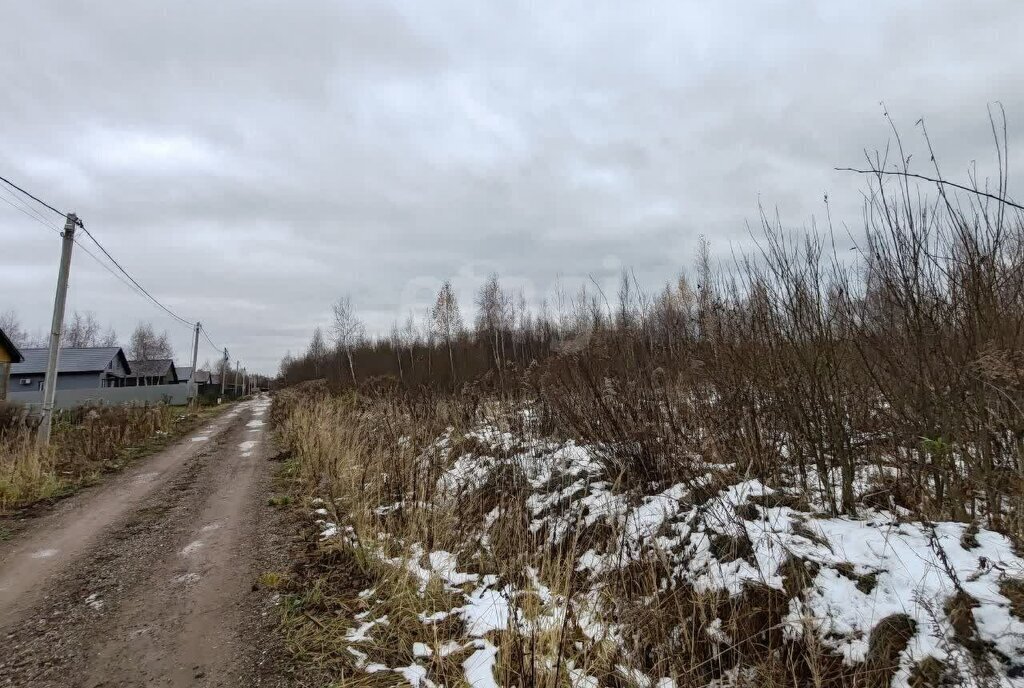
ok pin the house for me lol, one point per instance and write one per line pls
(8, 354)
(203, 379)
(185, 375)
(215, 379)
(159, 371)
(77, 368)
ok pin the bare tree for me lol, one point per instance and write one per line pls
(447, 320)
(493, 317)
(83, 331)
(146, 345)
(347, 330)
(109, 338)
(11, 326)
(396, 343)
(410, 336)
(523, 322)
(317, 351)
(625, 315)
(286, 364)
(428, 339)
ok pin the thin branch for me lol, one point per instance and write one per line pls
(968, 189)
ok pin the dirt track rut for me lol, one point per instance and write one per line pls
(150, 579)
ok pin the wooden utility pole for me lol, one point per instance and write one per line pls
(195, 357)
(50, 381)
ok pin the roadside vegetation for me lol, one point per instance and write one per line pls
(85, 443)
(805, 468)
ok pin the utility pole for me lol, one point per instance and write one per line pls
(238, 367)
(223, 373)
(195, 356)
(50, 381)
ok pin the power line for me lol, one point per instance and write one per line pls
(98, 245)
(36, 199)
(207, 335)
(32, 215)
(107, 267)
(28, 212)
(32, 209)
(133, 281)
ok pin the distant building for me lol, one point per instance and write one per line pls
(8, 354)
(185, 375)
(156, 372)
(85, 368)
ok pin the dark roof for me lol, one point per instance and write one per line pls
(12, 350)
(158, 367)
(202, 376)
(88, 360)
(184, 373)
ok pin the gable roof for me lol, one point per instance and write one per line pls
(158, 367)
(85, 360)
(184, 373)
(7, 345)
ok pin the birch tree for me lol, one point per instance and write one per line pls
(447, 320)
(146, 345)
(347, 330)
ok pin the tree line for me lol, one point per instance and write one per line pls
(906, 353)
(504, 333)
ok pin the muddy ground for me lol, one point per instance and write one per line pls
(151, 579)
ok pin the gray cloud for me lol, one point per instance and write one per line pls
(250, 162)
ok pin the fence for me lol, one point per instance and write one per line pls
(176, 395)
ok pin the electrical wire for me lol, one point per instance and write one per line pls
(28, 212)
(134, 282)
(48, 225)
(100, 246)
(78, 243)
(107, 267)
(38, 200)
(207, 335)
(131, 282)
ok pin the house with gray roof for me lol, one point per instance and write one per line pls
(160, 371)
(184, 375)
(77, 368)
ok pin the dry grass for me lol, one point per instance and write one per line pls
(85, 443)
(893, 381)
(346, 448)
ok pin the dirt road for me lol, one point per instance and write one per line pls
(149, 580)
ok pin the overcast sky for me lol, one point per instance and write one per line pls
(249, 162)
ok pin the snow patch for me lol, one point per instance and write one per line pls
(192, 547)
(479, 666)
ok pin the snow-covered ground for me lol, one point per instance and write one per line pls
(854, 573)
